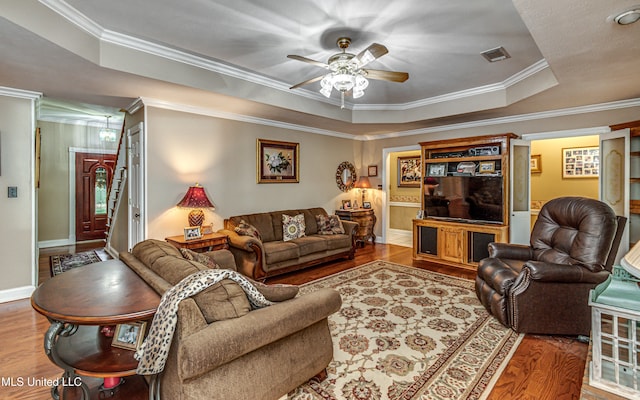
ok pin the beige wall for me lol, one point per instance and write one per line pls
(17, 234)
(53, 197)
(401, 217)
(550, 184)
(220, 154)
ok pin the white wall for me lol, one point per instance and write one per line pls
(17, 215)
(184, 148)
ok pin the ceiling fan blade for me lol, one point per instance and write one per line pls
(308, 60)
(392, 76)
(317, 78)
(369, 54)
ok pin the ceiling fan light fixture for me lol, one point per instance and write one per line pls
(326, 91)
(627, 17)
(344, 81)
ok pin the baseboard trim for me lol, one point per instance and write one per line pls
(55, 243)
(14, 294)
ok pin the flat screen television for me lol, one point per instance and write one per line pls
(467, 198)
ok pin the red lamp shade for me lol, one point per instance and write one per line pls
(196, 198)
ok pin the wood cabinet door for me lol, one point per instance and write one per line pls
(451, 244)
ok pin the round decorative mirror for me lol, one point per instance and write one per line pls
(346, 176)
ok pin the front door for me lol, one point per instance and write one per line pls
(93, 174)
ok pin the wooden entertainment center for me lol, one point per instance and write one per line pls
(464, 199)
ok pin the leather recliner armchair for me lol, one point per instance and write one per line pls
(544, 288)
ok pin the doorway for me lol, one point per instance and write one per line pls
(549, 180)
(400, 202)
(93, 172)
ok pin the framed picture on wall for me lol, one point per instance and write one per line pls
(409, 171)
(372, 170)
(581, 162)
(536, 164)
(278, 162)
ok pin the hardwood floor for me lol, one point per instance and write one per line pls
(543, 367)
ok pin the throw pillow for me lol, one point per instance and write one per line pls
(200, 258)
(329, 225)
(246, 229)
(292, 227)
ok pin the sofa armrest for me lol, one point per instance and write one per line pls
(563, 273)
(241, 242)
(510, 251)
(248, 252)
(350, 227)
(224, 341)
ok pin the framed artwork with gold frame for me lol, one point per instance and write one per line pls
(278, 162)
(536, 163)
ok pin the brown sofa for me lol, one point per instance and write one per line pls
(271, 255)
(223, 350)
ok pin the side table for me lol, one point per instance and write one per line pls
(366, 219)
(78, 303)
(208, 242)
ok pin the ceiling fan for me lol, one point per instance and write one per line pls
(346, 70)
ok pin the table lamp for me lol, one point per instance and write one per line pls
(197, 199)
(363, 184)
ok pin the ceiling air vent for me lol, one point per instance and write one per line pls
(497, 54)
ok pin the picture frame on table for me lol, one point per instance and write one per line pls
(346, 204)
(581, 162)
(366, 204)
(277, 162)
(207, 229)
(192, 232)
(129, 335)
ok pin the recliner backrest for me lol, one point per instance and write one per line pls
(574, 230)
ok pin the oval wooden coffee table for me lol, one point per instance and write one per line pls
(78, 303)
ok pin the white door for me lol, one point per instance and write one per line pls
(614, 178)
(520, 193)
(136, 185)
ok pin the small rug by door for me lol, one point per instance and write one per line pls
(64, 262)
(406, 333)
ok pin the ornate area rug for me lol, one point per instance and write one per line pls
(64, 262)
(407, 333)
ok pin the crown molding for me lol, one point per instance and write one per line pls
(563, 112)
(150, 102)
(19, 93)
(462, 94)
(137, 44)
(74, 16)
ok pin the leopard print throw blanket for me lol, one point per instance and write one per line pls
(153, 353)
